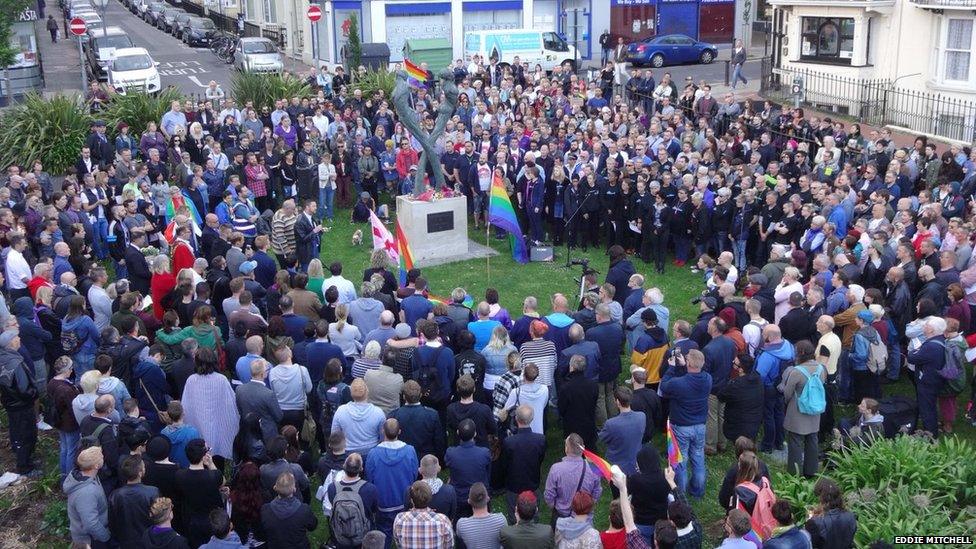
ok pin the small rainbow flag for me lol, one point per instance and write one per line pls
(599, 464)
(501, 214)
(674, 451)
(468, 300)
(406, 256)
(416, 75)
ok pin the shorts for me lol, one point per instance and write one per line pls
(480, 201)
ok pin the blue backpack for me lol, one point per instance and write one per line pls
(813, 397)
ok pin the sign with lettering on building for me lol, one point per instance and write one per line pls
(27, 16)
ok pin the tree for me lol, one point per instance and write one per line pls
(354, 48)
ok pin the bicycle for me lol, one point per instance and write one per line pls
(223, 47)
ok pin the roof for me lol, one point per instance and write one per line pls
(123, 52)
(418, 44)
(110, 31)
(255, 39)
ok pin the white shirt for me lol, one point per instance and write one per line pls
(327, 176)
(752, 333)
(347, 292)
(101, 305)
(17, 270)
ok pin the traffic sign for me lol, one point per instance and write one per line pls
(78, 26)
(314, 13)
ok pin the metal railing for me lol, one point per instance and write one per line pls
(876, 102)
(936, 4)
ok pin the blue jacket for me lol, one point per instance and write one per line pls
(794, 538)
(623, 436)
(558, 333)
(86, 331)
(719, 354)
(318, 354)
(468, 464)
(295, 327)
(445, 368)
(689, 396)
(264, 273)
(178, 437)
(34, 338)
(771, 359)
(610, 337)
(861, 348)
(928, 359)
(420, 427)
(392, 467)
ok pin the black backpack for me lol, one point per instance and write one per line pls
(95, 438)
(348, 522)
(428, 376)
(70, 342)
(331, 398)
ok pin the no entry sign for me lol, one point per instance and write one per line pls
(77, 26)
(314, 13)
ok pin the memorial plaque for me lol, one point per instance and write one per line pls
(440, 222)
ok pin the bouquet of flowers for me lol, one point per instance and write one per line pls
(149, 251)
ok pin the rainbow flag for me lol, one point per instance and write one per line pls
(468, 300)
(501, 214)
(600, 465)
(416, 76)
(406, 256)
(674, 451)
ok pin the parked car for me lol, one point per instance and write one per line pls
(258, 55)
(153, 11)
(133, 71)
(134, 6)
(101, 49)
(199, 31)
(670, 49)
(179, 22)
(167, 19)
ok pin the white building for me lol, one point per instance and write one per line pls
(914, 59)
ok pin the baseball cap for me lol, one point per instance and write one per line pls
(248, 267)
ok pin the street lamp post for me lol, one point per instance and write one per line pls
(101, 5)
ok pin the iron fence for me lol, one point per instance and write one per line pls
(876, 102)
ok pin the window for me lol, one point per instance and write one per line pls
(958, 50)
(827, 39)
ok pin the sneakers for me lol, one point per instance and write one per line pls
(33, 474)
(43, 426)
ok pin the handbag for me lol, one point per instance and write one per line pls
(307, 434)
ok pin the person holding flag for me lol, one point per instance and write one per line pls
(688, 411)
(502, 215)
(571, 475)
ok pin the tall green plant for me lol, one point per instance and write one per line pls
(139, 109)
(51, 130)
(264, 89)
(354, 47)
(376, 79)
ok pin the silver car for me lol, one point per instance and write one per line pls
(258, 55)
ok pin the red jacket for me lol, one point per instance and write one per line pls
(183, 257)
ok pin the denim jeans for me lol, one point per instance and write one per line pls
(721, 242)
(326, 198)
(691, 441)
(120, 270)
(740, 255)
(737, 75)
(68, 448)
(681, 245)
(845, 388)
(100, 237)
(83, 362)
(894, 362)
(773, 416)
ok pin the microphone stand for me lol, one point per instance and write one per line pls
(579, 208)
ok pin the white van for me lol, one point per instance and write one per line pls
(537, 47)
(133, 70)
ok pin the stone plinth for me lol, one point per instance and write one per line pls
(437, 231)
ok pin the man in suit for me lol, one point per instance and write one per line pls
(255, 396)
(307, 235)
(85, 163)
(102, 150)
(135, 262)
(209, 235)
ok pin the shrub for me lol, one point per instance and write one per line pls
(138, 109)
(374, 80)
(52, 130)
(264, 89)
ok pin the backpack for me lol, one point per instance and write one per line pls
(428, 376)
(94, 440)
(877, 356)
(331, 400)
(954, 369)
(813, 397)
(70, 342)
(758, 502)
(348, 522)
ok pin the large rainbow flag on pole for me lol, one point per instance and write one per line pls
(501, 214)
(674, 451)
(416, 75)
(406, 256)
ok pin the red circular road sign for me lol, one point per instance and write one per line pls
(314, 13)
(77, 26)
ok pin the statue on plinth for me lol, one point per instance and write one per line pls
(411, 120)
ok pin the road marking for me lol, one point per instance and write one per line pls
(196, 81)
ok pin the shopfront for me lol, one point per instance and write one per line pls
(24, 74)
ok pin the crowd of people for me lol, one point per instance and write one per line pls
(203, 393)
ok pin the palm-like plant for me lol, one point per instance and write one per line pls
(264, 89)
(374, 80)
(50, 130)
(139, 109)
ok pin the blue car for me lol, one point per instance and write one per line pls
(670, 49)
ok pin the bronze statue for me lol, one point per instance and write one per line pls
(411, 120)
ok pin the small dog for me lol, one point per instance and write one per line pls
(357, 238)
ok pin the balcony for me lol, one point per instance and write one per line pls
(940, 5)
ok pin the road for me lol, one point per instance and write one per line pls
(189, 69)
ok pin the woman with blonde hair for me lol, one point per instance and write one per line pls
(162, 283)
(84, 404)
(48, 320)
(496, 356)
(161, 533)
(316, 276)
(345, 335)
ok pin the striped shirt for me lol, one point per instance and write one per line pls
(542, 353)
(283, 233)
(481, 532)
(423, 529)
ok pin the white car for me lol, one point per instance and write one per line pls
(133, 70)
(258, 55)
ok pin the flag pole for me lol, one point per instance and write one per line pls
(488, 245)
